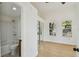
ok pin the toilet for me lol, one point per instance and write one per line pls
(13, 49)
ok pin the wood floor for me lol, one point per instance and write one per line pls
(48, 49)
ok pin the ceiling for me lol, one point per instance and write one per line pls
(46, 10)
(6, 8)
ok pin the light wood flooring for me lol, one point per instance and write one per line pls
(48, 49)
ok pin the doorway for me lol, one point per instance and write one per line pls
(10, 29)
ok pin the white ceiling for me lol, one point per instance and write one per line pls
(6, 9)
(47, 9)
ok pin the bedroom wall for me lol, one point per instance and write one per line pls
(63, 13)
(29, 30)
(77, 24)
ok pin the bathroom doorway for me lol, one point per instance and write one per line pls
(10, 29)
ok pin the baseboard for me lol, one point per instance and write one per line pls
(58, 43)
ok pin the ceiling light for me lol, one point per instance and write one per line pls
(14, 8)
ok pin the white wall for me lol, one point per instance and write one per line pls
(29, 30)
(77, 26)
(63, 13)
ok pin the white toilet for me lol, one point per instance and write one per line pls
(13, 49)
